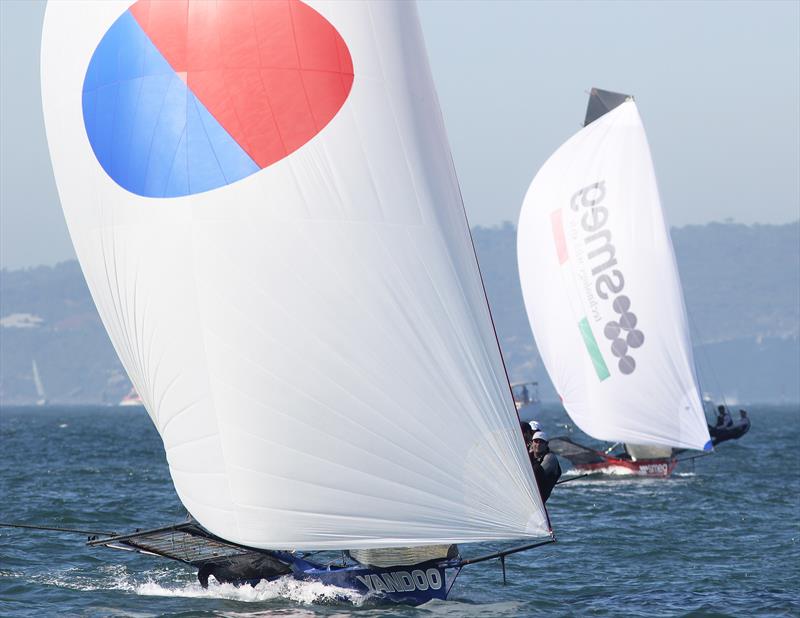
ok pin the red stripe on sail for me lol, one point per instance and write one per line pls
(557, 223)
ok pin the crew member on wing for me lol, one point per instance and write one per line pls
(723, 417)
(545, 464)
(744, 419)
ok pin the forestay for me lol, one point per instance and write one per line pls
(263, 202)
(602, 292)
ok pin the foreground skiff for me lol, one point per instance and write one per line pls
(264, 205)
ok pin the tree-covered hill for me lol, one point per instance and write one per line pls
(742, 288)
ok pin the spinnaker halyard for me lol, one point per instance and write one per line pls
(603, 296)
(263, 202)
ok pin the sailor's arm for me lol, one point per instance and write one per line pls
(550, 466)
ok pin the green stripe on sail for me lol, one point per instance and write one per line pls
(594, 351)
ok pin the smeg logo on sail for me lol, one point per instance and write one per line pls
(586, 245)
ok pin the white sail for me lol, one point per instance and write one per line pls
(37, 381)
(311, 339)
(602, 292)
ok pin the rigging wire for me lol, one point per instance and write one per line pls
(707, 361)
(57, 529)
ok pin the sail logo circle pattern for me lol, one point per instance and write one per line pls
(185, 96)
(633, 338)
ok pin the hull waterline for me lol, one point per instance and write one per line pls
(587, 460)
(407, 585)
(655, 468)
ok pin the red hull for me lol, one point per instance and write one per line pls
(658, 468)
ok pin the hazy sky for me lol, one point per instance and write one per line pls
(717, 84)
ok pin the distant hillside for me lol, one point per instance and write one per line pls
(47, 315)
(742, 286)
(742, 292)
(740, 281)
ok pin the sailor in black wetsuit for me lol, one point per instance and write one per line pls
(545, 464)
(723, 417)
(744, 421)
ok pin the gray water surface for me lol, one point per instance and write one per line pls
(719, 538)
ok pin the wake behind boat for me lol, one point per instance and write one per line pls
(604, 300)
(265, 208)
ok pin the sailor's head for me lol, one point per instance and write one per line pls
(539, 442)
(721, 409)
(527, 433)
(743, 413)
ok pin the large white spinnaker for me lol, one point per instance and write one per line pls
(601, 287)
(310, 338)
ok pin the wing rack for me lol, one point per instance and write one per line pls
(187, 543)
(577, 454)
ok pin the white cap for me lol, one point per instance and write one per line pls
(535, 425)
(539, 435)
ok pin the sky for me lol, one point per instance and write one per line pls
(717, 84)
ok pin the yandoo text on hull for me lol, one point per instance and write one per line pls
(265, 208)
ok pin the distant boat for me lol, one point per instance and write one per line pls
(604, 300)
(526, 400)
(131, 399)
(41, 397)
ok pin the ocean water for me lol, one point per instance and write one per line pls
(719, 538)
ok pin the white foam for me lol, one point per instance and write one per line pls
(112, 577)
(169, 582)
(286, 588)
